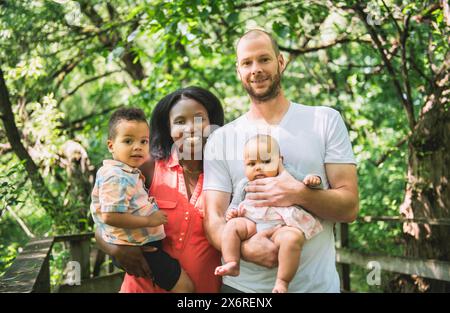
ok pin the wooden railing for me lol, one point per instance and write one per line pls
(427, 268)
(30, 271)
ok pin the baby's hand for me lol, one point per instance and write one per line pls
(312, 180)
(238, 212)
(157, 218)
(231, 214)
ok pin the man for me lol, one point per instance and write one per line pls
(312, 140)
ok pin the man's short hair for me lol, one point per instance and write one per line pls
(127, 114)
(256, 32)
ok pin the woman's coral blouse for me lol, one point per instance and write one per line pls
(185, 238)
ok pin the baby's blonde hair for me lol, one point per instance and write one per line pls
(272, 145)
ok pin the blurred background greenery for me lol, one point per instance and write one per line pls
(67, 64)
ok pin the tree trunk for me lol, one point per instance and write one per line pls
(427, 193)
(12, 133)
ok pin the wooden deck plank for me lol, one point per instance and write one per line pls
(30, 270)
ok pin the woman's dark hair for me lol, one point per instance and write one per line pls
(160, 140)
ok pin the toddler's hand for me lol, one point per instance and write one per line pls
(312, 180)
(157, 218)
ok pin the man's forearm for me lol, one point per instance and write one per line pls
(214, 221)
(214, 226)
(337, 205)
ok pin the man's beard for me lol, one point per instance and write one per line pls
(272, 91)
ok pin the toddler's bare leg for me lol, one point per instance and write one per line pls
(290, 241)
(184, 284)
(236, 230)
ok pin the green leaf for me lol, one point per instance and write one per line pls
(205, 51)
(280, 29)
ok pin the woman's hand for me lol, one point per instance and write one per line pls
(130, 258)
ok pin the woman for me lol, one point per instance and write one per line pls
(179, 126)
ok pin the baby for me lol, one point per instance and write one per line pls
(120, 206)
(262, 159)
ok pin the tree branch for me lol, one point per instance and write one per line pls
(392, 17)
(252, 5)
(90, 80)
(386, 154)
(446, 12)
(299, 51)
(405, 72)
(46, 198)
(68, 67)
(78, 124)
(20, 222)
(373, 34)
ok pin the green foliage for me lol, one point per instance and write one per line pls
(67, 67)
(59, 258)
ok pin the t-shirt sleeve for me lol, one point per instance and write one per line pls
(217, 174)
(338, 148)
(114, 194)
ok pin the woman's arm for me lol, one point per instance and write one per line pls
(147, 169)
(129, 257)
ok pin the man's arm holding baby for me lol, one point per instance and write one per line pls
(340, 203)
(258, 249)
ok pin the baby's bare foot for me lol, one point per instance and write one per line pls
(281, 286)
(228, 269)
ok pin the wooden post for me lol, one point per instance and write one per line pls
(42, 284)
(99, 260)
(110, 265)
(80, 252)
(342, 242)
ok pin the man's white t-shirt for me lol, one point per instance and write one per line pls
(308, 138)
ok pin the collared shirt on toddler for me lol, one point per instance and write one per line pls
(119, 188)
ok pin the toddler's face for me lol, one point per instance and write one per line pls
(261, 160)
(131, 144)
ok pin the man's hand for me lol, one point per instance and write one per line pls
(281, 190)
(259, 249)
